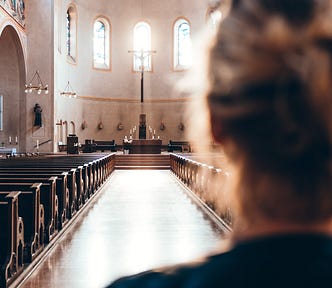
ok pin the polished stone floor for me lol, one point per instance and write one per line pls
(141, 219)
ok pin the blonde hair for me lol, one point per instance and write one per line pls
(270, 93)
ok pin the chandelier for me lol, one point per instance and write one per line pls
(38, 85)
(69, 91)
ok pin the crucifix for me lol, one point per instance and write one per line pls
(142, 55)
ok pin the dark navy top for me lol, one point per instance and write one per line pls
(279, 261)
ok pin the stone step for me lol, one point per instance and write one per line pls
(132, 167)
(142, 161)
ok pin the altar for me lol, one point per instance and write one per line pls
(144, 146)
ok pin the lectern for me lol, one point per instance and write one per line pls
(72, 144)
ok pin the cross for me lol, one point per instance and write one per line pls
(142, 55)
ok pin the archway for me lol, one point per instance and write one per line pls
(12, 69)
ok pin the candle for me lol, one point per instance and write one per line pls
(154, 131)
(10, 139)
(37, 144)
(16, 139)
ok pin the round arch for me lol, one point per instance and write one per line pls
(13, 69)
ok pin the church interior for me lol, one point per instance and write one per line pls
(87, 59)
(84, 83)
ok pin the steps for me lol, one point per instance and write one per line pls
(142, 161)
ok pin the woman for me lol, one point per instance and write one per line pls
(270, 105)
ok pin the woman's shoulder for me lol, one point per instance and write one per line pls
(182, 275)
(238, 267)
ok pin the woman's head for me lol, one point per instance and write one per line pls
(270, 101)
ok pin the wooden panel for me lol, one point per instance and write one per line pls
(140, 146)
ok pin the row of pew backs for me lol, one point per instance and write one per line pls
(207, 182)
(38, 197)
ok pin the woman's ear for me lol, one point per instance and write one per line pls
(216, 129)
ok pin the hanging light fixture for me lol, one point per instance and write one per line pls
(39, 86)
(69, 91)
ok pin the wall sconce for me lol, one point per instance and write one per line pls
(162, 126)
(69, 91)
(39, 86)
(120, 126)
(84, 125)
(181, 126)
(100, 125)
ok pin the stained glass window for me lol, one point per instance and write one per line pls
(71, 33)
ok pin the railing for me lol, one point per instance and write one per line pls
(42, 143)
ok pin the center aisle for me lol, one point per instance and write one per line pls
(141, 219)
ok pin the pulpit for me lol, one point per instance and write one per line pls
(72, 144)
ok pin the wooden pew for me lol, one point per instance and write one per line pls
(48, 199)
(182, 146)
(102, 166)
(60, 198)
(88, 178)
(103, 145)
(11, 238)
(103, 162)
(78, 179)
(30, 209)
(70, 183)
(62, 191)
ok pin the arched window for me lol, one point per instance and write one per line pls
(214, 17)
(71, 37)
(182, 45)
(101, 44)
(142, 47)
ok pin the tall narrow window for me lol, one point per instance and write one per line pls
(101, 44)
(182, 45)
(214, 18)
(71, 41)
(142, 47)
(1, 112)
